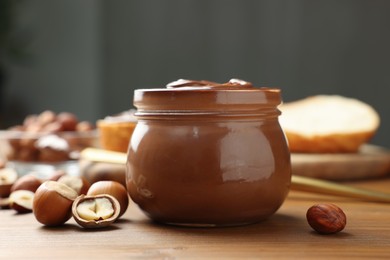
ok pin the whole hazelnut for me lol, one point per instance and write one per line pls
(52, 204)
(56, 175)
(100, 171)
(46, 117)
(30, 119)
(326, 218)
(27, 182)
(53, 127)
(27, 154)
(114, 189)
(52, 148)
(84, 126)
(77, 183)
(67, 120)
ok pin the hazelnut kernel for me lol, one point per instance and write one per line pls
(21, 200)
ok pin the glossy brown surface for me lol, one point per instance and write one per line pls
(211, 166)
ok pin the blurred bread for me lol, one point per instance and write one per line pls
(328, 124)
(115, 131)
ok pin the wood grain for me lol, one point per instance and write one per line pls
(370, 162)
(284, 235)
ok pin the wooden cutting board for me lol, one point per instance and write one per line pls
(370, 162)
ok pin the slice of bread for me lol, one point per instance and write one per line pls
(328, 124)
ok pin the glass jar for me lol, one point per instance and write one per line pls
(208, 154)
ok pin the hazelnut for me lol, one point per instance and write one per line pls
(21, 201)
(4, 203)
(326, 218)
(46, 117)
(114, 189)
(53, 127)
(67, 120)
(34, 127)
(26, 154)
(30, 119)
(52, 203)
(48, 154)
(96, 211)
(84, 126)
(27, 182)
(78, 183)
(2, 164)
(52, 148)
(100, 171)
(8, 176)
(56, 175)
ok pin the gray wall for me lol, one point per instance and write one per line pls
(91, 55)
(65, 52)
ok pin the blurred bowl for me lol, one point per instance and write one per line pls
(45, 151)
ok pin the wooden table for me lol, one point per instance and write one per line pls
(284, 235)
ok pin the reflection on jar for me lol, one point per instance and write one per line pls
(141, 187)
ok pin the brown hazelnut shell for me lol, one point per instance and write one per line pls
(114, 189)
(5, 190)
(27, 182)
(78, 183)
(8, 177)
(100, 171)
(4, 203)
(57, 175)
(21, 201)
(93, 224)
(53, 203)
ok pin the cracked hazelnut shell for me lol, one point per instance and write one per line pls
(95, 223)
(21, 201)
(4, 203)
(8, 177)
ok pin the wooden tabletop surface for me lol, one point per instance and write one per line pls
(284, 235)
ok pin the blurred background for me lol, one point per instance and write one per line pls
(87, 57)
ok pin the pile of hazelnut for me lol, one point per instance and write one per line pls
(49, 137)
(54, 201)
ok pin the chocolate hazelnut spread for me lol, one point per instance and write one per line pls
(205, 153)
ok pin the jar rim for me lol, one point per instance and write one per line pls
(221, 97)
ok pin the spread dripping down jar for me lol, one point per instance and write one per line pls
(208, 154)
